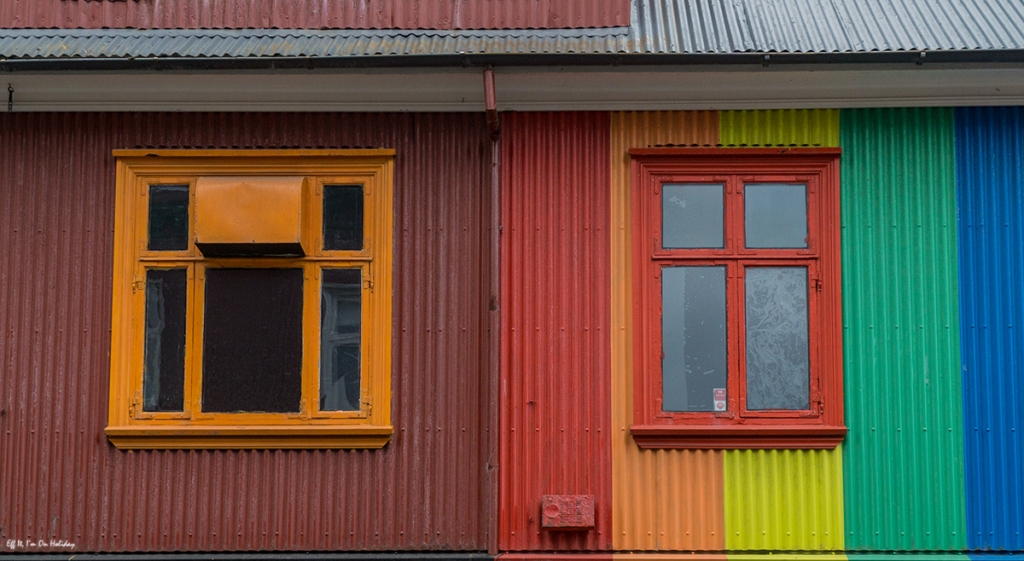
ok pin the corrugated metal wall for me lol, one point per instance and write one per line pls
(781, 127)
(789, 500)
(903, 457)
(667, 500)
(554, 345)
(990, 197)
(314, 14)
(59, 477)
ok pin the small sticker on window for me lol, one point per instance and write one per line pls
(719, 399)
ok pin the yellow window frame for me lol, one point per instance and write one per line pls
(128, 426)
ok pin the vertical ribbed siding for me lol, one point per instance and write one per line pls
(913, 557)
(781, 127)
(789, 500)
(554, 345)
(990, 197)
(903, 457)
(59, 477)
(667, 500)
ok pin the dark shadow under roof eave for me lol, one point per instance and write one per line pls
(1007, 56)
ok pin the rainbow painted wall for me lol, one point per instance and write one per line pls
(933, 313)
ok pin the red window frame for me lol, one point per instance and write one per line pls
(820, 426)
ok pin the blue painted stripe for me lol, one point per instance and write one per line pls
(990, 199)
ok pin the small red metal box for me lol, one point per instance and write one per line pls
(567, 512)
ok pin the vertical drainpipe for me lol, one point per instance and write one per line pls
(494, 371)
(491, 98)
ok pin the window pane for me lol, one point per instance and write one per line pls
(163, 379)
(693, 338)
(343, 217)
(252, 340)
(692, 216)
(168, 217)
(778, 364)
(340, 319)
(775, 215)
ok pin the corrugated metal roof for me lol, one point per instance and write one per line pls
(656, 27)
(313, 14)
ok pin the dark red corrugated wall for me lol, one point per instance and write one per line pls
(60, 479)
(555, 347)
(314, 14)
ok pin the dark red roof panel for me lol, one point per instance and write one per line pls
(313, 14)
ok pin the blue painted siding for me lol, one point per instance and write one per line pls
(990, 200)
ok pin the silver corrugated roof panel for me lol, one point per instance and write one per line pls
(677, 27)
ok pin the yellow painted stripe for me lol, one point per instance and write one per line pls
(789, 500)
(788, 557)
(669, 557)
(662, 499)
(781, 127)
(774, 499)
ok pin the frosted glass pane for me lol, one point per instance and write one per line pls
(692, 216)
(775, 215)
(778, 364)
(693, 337)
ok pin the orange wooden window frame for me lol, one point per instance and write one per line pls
(370, 427)
(821, 426)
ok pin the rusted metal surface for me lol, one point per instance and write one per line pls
(314, 14)
(555, 376)
(59, 477)
(670, 500)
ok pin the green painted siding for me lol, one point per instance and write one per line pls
(782, 500)
(903, 458)
(780, 127)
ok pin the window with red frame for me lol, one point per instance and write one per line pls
(737, 309)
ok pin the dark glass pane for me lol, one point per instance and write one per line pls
(692, 216)
(163, 379)
(694, 368)
(778, 364)
(168, 217)
(343, 217)
(775, 215)
(340, 321)
(252, 340)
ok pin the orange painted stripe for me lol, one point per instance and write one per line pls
(661, 499)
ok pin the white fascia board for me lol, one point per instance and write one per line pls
(523, 88)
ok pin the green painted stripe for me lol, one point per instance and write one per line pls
(903, 458)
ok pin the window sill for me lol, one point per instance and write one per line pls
(730, 437)
(135, 437)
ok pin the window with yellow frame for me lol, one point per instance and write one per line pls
(252, 299)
